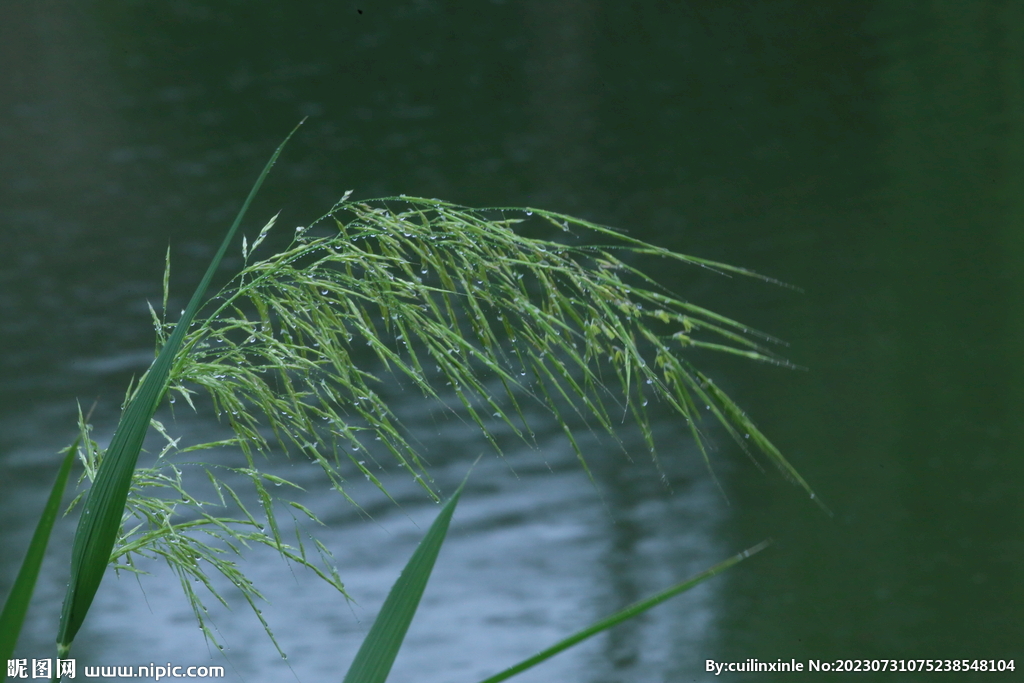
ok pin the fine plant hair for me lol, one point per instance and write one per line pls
(449, 300)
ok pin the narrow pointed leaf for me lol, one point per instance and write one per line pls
(621, 616)
(377, 654)
(104, 505)
(13, 615)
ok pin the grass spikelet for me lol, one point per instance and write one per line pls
(295, 354)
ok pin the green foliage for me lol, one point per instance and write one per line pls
(629, 612)
(164, 520)
(445, 297)
(452, 301)
(376, 656)
(373, 662)
(449, 300)
(100, 523)
(13, 615)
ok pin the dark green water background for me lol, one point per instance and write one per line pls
(870, 153)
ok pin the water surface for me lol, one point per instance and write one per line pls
(869, 153)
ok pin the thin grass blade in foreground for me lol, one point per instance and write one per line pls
(13, 615)
(377, 653)
(100, 520)
(628, 613)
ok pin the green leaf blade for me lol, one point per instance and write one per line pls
(376, 655)
(15, 607)
(633, 610)
(100, 522)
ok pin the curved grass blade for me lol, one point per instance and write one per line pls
(13, 615)
(100, 521)
(628, 613)
(377, 653)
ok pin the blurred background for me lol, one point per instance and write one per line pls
(868, 153)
